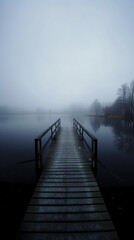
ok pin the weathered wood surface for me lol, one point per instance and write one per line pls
(67, 203)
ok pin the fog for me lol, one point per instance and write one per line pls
(55, 54)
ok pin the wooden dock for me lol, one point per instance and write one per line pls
(67, 203)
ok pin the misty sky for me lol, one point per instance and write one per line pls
(54, 53)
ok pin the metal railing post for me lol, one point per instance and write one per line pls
(93, 146)
(36, 152)
(96, 143)
(51, 132)
(82, 134)
(38, 142)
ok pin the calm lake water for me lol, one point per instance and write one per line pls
(115, 147)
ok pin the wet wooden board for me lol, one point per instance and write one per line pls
(67, 209)
(66, 180)
(46, 217)
(64, 201)
(67, 203)
(66, 195)
(106, 235)
(67, 226)
(66, 184)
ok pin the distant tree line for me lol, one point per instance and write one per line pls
(124, 104)
(96, 108)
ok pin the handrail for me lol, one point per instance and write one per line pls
(93, 148)
(39, 147)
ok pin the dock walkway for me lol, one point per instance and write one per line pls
(67, 203)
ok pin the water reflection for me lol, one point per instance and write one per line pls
(96, 122)
(123, 133)
(17, 134)
(115, 145)
(116, 150)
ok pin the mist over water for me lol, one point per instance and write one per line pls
(115, 146)
(58, 54)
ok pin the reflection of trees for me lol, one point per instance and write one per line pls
(96, 108)
(96, 122)
(124, 134)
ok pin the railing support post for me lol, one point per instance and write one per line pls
(40, 153)
(95, 152)
(36, 153)
(93, 146)
(51, 132)
(38, 143)
(82, 134)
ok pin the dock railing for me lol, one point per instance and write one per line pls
(41, 144)
(89, 140)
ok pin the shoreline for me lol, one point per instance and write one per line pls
(121, 117)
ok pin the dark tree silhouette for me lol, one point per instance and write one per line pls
(96, 108)
(124, 104)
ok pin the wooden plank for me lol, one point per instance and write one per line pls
(68, 176)
(67, 226)
(67, 167)
(65, 201)
(66, 194)
(66, 180)
(66, 171)
(67, 209)
(64, 166)
(66, 162)
(66, 189)
(109, 235)
(70, 217)
(60, 167)
(65, 184)
(58, 160)
(54, 176)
